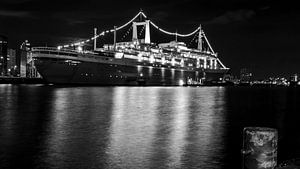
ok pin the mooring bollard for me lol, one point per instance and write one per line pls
(290, 164)
(259, 148)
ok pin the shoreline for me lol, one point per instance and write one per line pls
(21, 80)
(25, 80)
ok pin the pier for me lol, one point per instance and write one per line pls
(21, 80)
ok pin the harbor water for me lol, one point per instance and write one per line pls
(44, 126)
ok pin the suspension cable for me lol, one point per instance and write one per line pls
(174, 33)
(208, 43)
(126, 24)
(104, 32)
(120, 27)
(140, 34)
(193, 39)
(127, 32)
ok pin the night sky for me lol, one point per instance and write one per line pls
(261, 35)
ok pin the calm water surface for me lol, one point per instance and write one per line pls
(140, 127)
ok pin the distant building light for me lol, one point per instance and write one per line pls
(151, 59)
(173, 62)
(181, 82)
(182, 63)
(163, 61)
(79, 48)
(140, 57)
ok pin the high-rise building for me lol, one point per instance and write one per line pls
(3, 55)
(11, 62)
(25, 64)
(31, 69)
(245, 76)
(294, 79)
(23, 55)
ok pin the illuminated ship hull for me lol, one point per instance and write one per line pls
(88, 69)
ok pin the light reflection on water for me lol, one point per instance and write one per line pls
(150, 127)
(177, 139)
(133, 127)
(120, 127)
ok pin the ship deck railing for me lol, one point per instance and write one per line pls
(53, 49)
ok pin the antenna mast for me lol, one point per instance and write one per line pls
(95, 38)
(115, 37)
(200, 39)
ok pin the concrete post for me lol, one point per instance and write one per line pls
(259, 148)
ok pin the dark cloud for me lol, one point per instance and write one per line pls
(233, 16)
(160, 16)
(19, 14)
(82, 17)
(15, 1)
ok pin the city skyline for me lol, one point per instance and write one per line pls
(259, 35)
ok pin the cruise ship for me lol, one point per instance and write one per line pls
(135, 62)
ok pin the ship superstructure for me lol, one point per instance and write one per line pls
(134, 62)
